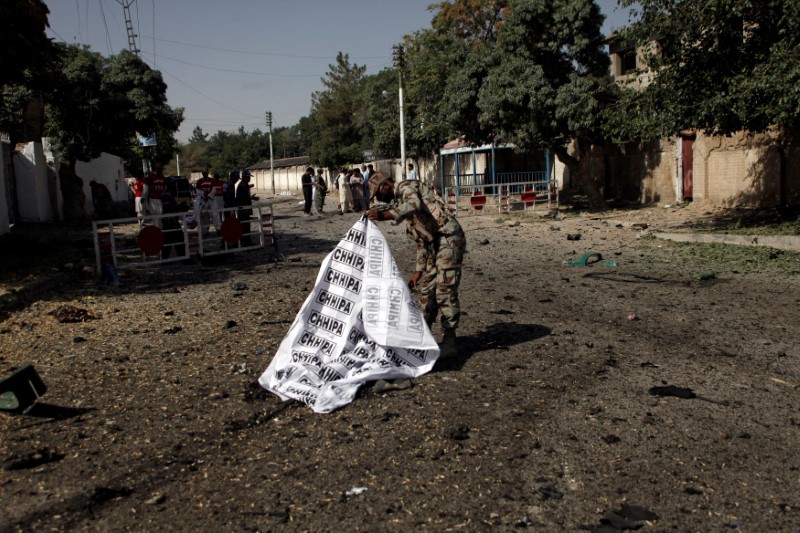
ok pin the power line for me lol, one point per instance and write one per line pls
(154, 32)
(239, 71)
(108, 35)
(204, 95)
(250, 52)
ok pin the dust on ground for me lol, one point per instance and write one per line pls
(567, 408)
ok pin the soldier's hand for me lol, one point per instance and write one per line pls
(377, 215)
(414, 279)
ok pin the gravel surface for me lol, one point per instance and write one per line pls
(661, 393)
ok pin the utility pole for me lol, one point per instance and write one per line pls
(126, 8)
(271, 161)
(399, 63)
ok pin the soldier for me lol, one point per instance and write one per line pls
(440, 248)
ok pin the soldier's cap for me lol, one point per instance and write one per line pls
(375, 182)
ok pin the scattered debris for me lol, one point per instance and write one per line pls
(156, 499)
(550, 492)
(355, 491)
(70, 314)
(682, 393)
(629, 517)
(20, 391)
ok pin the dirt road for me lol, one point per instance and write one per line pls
(660, 393)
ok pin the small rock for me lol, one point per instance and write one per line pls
(573, 236)
(230, 324)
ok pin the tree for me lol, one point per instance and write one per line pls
(25, 68)
(198, 137)
(445, 67)
(378, 98)
(22, 39)
(719, 67)
(97, 106)
(547, 82)
(337, 117)
(234, 151)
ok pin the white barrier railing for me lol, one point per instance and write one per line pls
(504, 197)
(178, 236)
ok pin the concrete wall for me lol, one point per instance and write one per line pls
(107, 169)
(737, 171)
(4, 218)
(741, 170)
(38, 193)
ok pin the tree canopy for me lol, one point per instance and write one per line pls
(100, 103)
(719, 67)
(340, 122)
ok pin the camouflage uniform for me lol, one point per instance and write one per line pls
(440, 249)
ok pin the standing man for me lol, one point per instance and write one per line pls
(321, 190)
(243, 202)
(307, 180)
(368, 171)
(219, 201)
(137, 187)
(229, 189)
(440, 248)
(412, 174)
(205, 185)
(155, 187)
(204, 202)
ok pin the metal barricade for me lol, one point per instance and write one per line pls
(502, 197)
(178, 236)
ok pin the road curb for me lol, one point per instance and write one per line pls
(780, 242)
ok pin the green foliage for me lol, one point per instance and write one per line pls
(378, 96)
(548, 80)
(198, 137)
(340, 121)
(100, 103)
(234, 151)
(445, 67)
(26, 48)
(719, 67)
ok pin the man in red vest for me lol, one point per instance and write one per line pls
(155, 187)
(138, 190)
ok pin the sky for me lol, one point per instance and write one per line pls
(228, 63)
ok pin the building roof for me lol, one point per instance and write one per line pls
(461, 146)
(302, 160)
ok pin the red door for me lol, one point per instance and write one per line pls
(687, 156)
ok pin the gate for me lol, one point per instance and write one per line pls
(513, 192)
(178, 236)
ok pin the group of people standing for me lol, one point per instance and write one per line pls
(149, 192)
(350, 186)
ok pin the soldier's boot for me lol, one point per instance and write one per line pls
(448, 348)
